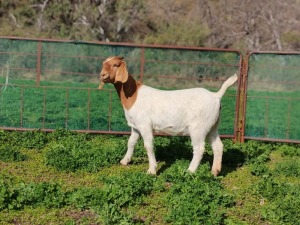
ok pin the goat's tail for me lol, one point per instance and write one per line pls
(230, 81)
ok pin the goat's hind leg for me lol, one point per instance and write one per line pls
(130, 146)
(198, 144)
(217, 147)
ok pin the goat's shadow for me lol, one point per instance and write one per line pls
(179, 148)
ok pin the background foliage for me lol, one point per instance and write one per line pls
(247, 25)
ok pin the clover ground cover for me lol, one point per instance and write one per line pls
(70, 178)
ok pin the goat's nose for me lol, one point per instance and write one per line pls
(102, 75)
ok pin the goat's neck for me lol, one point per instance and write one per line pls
(127, 92)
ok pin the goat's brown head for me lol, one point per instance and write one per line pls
(113, 70)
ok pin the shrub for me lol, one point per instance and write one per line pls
(289, 150)
(68, 154)
(121, 192)
(18, 195)
(60, 134)
(11, 154)
(195, 198)
(40, 194)
(10, 138)
(283, 202)
(289, 168)
(33, 139)
(117, 193)
(238, 154)
(127, 189)
(110, 201)
(5, 193)
(259, 169)
(256, 151)
(84, 198)
(5, 137)
(77, 152)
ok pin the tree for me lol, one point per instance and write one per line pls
(245, 25)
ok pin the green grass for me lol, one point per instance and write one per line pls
(273, 115)
(70, 178)
(50, 107)
(76, 107)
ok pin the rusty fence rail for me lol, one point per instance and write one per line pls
(50, 84)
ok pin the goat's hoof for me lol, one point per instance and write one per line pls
(124, 162)
(151, 171)
(215, 172)
(191, 170)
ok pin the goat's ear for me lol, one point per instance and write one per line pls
(122, 73)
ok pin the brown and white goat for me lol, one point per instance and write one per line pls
(193, 112)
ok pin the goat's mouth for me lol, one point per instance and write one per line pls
(105, 80)
(104, 77)
(101, 85)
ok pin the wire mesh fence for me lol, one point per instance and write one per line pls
(51, 84)
(273, 97)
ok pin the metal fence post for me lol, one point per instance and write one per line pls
(240, 126)
(142, 64)
(38, 63)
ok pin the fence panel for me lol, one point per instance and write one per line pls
(273, 97)
(51, 84)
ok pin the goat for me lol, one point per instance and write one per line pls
(193, 112)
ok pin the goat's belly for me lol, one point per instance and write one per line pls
(171, 130)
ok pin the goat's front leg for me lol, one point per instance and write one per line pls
(130, 147)
(148, 143)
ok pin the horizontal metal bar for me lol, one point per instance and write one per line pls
(123, 44)
(97, 132)
(272, 97)
(18, 53)
(192, 63)
(272, 140)
(275, 52)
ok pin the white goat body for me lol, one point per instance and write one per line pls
(193, 112)
(173, 112)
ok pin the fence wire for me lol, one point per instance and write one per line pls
(273, 97)
(51, 84)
